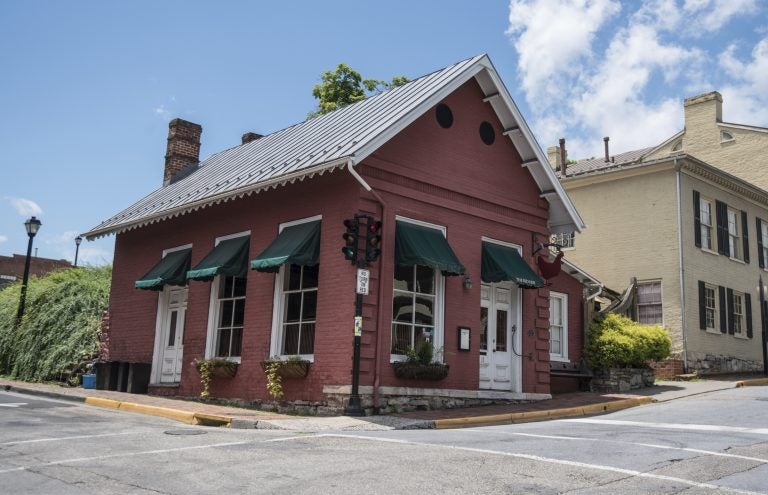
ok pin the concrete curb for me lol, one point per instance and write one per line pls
(526, 417)
(752, 383)
(44, 393)
(190, 418)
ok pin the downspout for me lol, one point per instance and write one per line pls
(380, 303)
(682, 270)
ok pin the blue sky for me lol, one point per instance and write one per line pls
(88, 87)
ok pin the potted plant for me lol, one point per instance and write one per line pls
(276, 369)
(213, 368)
(420, 365)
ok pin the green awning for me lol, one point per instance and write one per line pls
(296, 245)
(419, 245)
(504, 264)
(171, 270)
(229, 258)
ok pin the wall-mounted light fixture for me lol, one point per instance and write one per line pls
(467, 282)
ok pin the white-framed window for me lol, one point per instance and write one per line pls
(566, 239)
(711, 315)
(738, 314)
(558, 326)
(226, 313)
(649, 308)
(295, 306)
(417, 301)
(734, 236)
(764, 236)
(705, 206)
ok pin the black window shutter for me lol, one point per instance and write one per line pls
(723, 320)
(745, 235)
(721, 210)
(759, 233)
(702, 306)
(697, 218)
(730, 310)
(748, 309)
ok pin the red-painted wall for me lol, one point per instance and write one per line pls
(447, 177)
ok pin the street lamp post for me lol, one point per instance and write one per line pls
(32, 225)
(78, 240)
(763, 325)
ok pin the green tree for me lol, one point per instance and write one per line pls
(345, 85)
(61, 323)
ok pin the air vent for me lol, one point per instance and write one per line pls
(487, 134)
(444, 116)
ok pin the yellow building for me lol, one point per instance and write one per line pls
(687, 219)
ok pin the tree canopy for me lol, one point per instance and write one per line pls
(345, 85)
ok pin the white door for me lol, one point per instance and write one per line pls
(499, 352)
(172, 335)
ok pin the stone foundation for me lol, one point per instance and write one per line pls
(620, 380)
(712, 364)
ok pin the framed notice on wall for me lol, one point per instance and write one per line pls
(464, 338)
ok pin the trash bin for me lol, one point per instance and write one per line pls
(89, 380)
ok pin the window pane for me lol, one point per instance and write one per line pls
(310, 276)
(292, 279)
(292, 307)
(291, 339)
(401, 338)
(648, 293)
(239, 286)
(172, 329)
(309, 308)
(237, 342)
(425, 280)
(404, 278)
(225, 313)
(307, 343)
(501, 330)
(483, 329)
(239, 314)
(225, 287)
(423, 334)
(424, 310)
(555, 311)
(650, 314)
(402, 307)
(555, 340)
(223, 344)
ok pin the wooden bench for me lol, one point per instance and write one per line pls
(579, 370)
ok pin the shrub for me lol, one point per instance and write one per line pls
(615, 341)
(61, 324)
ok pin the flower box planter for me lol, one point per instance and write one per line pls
(417, 371)
(219, 368)
(290, 369)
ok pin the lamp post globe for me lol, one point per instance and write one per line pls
(32, 225)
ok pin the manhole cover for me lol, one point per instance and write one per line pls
(185, 432)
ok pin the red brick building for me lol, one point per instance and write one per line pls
(12, 267)
(243, 252)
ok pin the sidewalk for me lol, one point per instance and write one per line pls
(560, 406)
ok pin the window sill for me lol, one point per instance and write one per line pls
(709, 251)
(714, 331)
(559, 359)
(741, 336)
(289, 357)
(230, 359)
(737, 260)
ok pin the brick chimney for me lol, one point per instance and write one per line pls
(251, 136)
(183, 149)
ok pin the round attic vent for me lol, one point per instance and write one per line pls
(487, 134)
(444, 116)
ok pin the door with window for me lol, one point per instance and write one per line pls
(498, 349)
(172, 336)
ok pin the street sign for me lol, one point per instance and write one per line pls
(363, 278)
(358, 326)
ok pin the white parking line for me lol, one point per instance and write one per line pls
(589, 439)
(79, 437)
(550, 460)
(671, 426)
(13, 404)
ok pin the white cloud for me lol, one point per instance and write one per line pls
(162, 112)
(589, 73)
(3, 239)
(25, 207)
(62, 246)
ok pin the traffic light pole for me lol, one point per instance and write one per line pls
(355, 408)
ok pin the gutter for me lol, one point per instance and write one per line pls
(682, 269)
(380, 302)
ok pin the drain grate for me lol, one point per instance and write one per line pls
(185, 432)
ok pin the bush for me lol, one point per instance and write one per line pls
(615, 341)
(61, 324)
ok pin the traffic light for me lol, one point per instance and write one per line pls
(372, 240)
(350, 239)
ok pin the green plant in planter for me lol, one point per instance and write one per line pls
(276, 369)
(208, 368)
(420, 364)
(274, 380)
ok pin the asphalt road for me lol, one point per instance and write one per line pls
(711, 443)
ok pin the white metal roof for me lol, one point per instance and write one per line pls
(330, 141)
